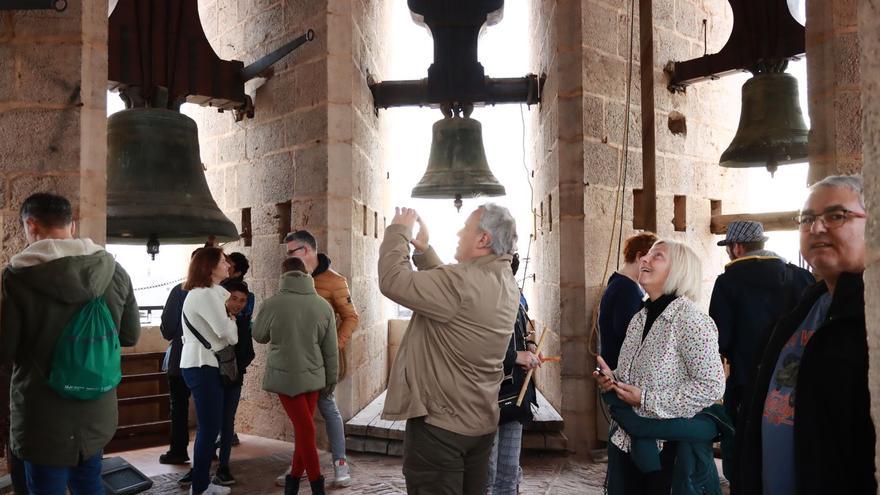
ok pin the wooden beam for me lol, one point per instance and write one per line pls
(775, 221)
(649, 152)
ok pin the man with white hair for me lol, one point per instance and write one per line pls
(445, 379)
(808, 427)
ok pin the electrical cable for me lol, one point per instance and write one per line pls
(522, 120)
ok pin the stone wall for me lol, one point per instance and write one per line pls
(53, 80)
(869, 26)
(834, 89)
(309, 159)
(583, 49)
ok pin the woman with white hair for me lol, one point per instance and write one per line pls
(669, 366)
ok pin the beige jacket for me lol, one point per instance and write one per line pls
(450, 362)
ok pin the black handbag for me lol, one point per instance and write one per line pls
(225, 357)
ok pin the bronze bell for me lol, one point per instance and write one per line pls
(156, 187)
(771, 129)
(457, 166)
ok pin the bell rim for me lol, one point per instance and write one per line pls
(450, 192)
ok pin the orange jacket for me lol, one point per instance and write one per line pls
(334, 288)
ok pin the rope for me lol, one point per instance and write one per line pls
(164, 284)
(622, 166)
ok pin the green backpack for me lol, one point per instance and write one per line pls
(86, 360)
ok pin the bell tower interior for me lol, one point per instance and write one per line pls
(608, 151)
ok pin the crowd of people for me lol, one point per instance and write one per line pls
(777, 340)
(784, 351)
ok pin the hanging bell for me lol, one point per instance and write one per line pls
(771, 129)
(457, 166)
(156, 187)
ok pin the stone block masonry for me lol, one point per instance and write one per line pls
(53, 80)
(583, 48)
(314, 142)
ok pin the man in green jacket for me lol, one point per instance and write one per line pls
(59, 439)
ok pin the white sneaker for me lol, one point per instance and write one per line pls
(341, 473)
(214, 490)
(279, 481)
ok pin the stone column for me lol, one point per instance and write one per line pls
(833, 74)
(53, 124)
(869, 26)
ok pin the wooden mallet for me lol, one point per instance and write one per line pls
(522, 392)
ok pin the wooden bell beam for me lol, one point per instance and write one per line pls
(774, 221)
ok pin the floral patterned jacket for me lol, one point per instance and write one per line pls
(677, 366)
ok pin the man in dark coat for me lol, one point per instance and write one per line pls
(807, 427)
(756, 288)
(178, 391)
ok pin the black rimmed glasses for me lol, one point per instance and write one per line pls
(292, 252)
(831, 219)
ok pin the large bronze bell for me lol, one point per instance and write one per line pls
(771, 129)
(457, 166)
(156, 187)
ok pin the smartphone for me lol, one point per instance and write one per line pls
(601, 372)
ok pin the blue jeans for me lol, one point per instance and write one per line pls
(84, 478)
(231, 397)
(333, 421)
(208, 394)
(504, 470)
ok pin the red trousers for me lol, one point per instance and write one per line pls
(301, 411)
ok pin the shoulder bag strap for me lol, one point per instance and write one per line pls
(196, 332)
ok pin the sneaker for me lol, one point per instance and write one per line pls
(187, 479)
(214, 490)
(173, 458)
(341, 473)
(223, 477)
(279, 481)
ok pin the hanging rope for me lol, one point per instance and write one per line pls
(620, 194)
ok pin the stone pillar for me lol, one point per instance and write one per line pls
(309, 159)
(869, 26)
(583, 48)
(53, 124)
(833, 74)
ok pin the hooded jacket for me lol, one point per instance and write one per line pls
(299, 327)
(43, 288)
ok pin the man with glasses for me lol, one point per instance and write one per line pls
(808, 427)
(757, 287)
(334, 288)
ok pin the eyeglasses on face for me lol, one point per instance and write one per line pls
(831, 219)
(292, 252)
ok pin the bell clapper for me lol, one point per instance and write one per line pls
(153, 247)
(458, 203)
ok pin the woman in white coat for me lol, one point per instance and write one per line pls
(669, 366)
(205, 310)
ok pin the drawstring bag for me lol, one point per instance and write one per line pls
(225, 357)
(86, 360)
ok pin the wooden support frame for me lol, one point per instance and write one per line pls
(648, 203)
(775, 221)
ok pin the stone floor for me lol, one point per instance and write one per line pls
(257, 461)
